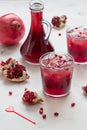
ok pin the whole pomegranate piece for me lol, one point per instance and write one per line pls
(12, 29)
(59, 22)
(13, 71)
(31, 97)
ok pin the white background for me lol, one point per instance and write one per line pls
(69, 118)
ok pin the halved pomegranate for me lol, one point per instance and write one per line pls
(31, 97)
(13, 71)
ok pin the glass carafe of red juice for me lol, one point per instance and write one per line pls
(36, 42)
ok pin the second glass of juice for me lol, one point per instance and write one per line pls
(56, 73)
(77, 43)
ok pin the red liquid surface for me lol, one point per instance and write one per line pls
(56, 83)
(35, 45)
(77, 44)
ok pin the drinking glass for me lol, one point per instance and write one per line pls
(56, 73)
(77, 43)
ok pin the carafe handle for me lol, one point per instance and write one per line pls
(49, 28)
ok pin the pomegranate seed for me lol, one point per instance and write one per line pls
(76, 27)
(44, 116)
(41, 108)
(40, 111)
(10, 93)
(59, 34)
(56, 113)
(73, 104)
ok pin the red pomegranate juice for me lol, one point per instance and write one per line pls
(77, 43)
(56, 73)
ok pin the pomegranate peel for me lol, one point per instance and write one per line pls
(13, 71)
(31, 97)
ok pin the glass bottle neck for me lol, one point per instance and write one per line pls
(36, 18)
(36, 8)
(36, 5)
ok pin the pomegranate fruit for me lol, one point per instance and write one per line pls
(13, 71)
(31, 97)
(12, 29)
(59, 22)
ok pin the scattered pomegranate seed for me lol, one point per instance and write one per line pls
(44, 116)
(76, 27)
(41, 112)
(10, 93)
(56, 113)
(73, 104)
(41, 108)
(59, 34)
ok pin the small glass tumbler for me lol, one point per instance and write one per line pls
(77, 43)
(56, 73)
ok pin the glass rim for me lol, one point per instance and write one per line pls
(36, 5)
(70, 63)
(77, 28)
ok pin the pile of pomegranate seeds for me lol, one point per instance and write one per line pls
(31, 97)
(13, 71)
(59, 22)
(84, 88)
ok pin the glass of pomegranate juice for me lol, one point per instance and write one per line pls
(56, 73)
(77, 43)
